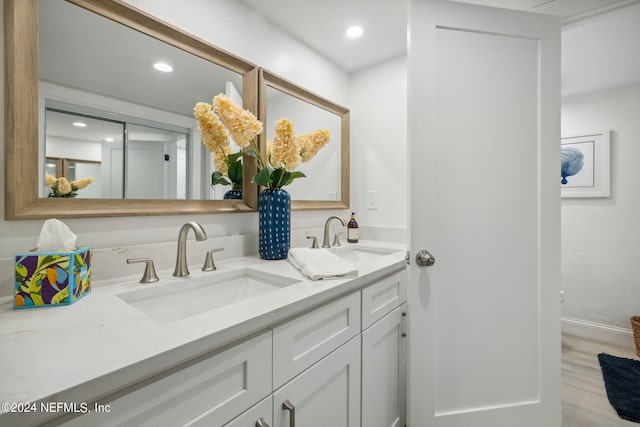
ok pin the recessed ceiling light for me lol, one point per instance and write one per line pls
(354, 31)
(163, 66)
(80, 124)
(109, 139)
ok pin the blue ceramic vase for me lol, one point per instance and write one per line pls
(274, 214)
(233, 195)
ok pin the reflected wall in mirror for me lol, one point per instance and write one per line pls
(326, 185)
(155, 156)
(95, 62)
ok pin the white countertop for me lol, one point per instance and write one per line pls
(81, 352)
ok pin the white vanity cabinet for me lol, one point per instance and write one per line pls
(384, 347)
(340, 364)
(328, 382)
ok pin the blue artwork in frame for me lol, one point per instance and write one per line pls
(584, 168)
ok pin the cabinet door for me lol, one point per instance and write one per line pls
(384, 372)
(261, 415)
(327, 394)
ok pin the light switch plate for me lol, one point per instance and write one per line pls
(372, 200)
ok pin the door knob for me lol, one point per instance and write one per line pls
(425, 259)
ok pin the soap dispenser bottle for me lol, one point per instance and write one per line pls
(353, 232)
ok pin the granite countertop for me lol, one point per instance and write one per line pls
(81, 352)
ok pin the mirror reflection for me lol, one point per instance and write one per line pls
(326, 185)
(140, 140)
(80, 146)
(323, 174)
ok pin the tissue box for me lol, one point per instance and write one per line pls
(52, 278)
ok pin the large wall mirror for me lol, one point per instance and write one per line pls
(83, 100)
(326, 185)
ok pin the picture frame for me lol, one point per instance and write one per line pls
(585, 164)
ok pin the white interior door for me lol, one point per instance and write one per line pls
(484, 135)
(145, 177)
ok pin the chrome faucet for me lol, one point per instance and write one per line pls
(325, 239)
(181, 260)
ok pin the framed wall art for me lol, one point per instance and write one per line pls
(585, 164)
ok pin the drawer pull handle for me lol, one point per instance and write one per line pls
(261, 423)
(292, 412)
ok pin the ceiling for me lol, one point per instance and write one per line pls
(321, 24)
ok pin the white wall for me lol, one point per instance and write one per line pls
(74, 149)
(601, 52)
(227, 24)
(600, 251)
(378, 102)
(601, 237)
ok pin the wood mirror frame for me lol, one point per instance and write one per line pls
(268, 79)
(22, 200)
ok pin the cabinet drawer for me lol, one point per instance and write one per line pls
(262, 411)
(208, 391)
(382, 297)
(301, 342)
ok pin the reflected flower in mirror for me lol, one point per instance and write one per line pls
(62, 187)
(242, 124)
(217, 123)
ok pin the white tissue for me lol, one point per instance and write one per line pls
(56, 236)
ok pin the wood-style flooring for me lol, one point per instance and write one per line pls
(584, 399)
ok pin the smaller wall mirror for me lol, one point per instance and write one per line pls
(326, 185)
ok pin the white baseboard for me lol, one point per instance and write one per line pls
(613, 335)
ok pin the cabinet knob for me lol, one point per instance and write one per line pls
(292, 412)
(261, 423)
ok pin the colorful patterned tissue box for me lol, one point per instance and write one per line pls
(52, 278)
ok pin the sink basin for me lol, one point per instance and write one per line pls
(361, 254)
(186, 297)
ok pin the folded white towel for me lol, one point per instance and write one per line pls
(318, 264)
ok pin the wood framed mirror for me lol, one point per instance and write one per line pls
(25, 103)
(326, 185)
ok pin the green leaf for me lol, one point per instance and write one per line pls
(232, 158)
(218, 178)
(278, 176)
(252, 153)
(290, 176)
(235, 172)
(263, 177)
